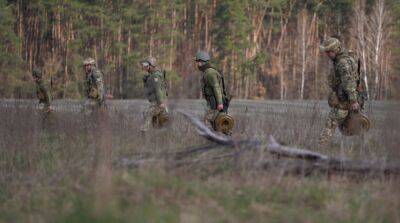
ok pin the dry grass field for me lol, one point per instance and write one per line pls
(72, 166)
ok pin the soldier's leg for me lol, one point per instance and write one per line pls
(89, 107)
(156, 110)
(41, 106)
(160, 114)
(335, 117)
(209, 117)
(47, 107)
(147, 116)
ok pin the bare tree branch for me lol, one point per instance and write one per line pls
(204, 131)
(275, 148)
(310, 160)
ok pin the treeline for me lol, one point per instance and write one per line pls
(265, 48)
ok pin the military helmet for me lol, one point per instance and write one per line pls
(37, 73)
(202, 56)
(151, 61)
(89, 61)
(224, 123)
(331, 44)
(356, 123)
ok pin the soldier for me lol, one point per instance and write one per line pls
(156, 92)
(42, 91)
(344, 82)
(94, 83)
(213, 89)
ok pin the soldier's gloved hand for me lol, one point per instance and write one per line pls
(49, 109)
(220, 107)
(355, 106)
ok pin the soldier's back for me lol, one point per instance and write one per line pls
(346, 64)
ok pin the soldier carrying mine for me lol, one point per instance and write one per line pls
(214, 91)
(156, 112)
(346, 97)
(94, 84)
(42, 92)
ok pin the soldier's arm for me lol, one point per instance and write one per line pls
(348, 80)
(330, 80)
(100, 84)
(212, 80)
(159, 90)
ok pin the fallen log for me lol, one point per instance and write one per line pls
(309, 160)
(275, 148)
(207, 133)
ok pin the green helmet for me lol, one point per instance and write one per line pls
(151, 61)
(37, 73)
(202, 56)
(331, 44)
(89, 61)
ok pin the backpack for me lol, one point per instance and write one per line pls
(362, 93)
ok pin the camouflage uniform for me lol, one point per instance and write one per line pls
(212, 88)
(343, 81)
(95, 87)
(212, 92)
(42, 91)
(156, 93)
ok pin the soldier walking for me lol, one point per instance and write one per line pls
(94, 84)
(345, 96)
(213, 89)
(156, 92)
(42, 92)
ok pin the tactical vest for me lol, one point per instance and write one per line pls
(207, 90)
(41, 91)
(150, 80)
(209, 94)
(91, 86)
(339, 97)
(40, 94)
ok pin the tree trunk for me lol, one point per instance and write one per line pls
(119, 61)
(171, 42)
(303, 52)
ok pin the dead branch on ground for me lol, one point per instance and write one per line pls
(304, 160)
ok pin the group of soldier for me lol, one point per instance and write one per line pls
(346, 97)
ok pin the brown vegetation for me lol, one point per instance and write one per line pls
(71, 167)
